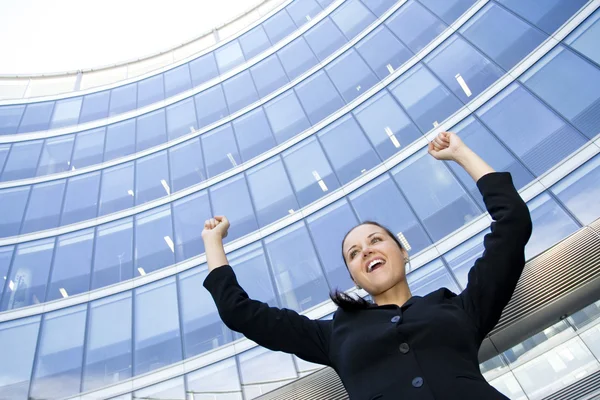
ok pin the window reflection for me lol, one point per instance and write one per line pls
(177, 80)
(383, 51)
(430, 278)
(253, 134)
(181, 119)
(297, 58)
(450, 10)
(352, 18)
(113, 257)
(116, 191)
(186, 165)
(123, 99)
(189, 214)
(12, 203)
(414, 25)
(286, 116)
(268, 75)
(151, 130)
(95, 106)
(36, 117)
(66, 112)
(220, 150)
(10, 117)
(22, 160)
(210, 106)
(262, 370)
(324, 39)
(583, 39)
(240, 91)
(151, 178)
(548, 16)
(229, 56)
(56, 155)
(172, 389)
(279, 26)
(120, 139)
(462, 258)
(89, 147)
(150, 91)
(219, 381)
(351, 75)
(254, 42)
(43, 209)
(154, 247)
(318, 96)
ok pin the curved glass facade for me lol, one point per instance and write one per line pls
(100, 245)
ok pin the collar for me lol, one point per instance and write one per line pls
(408, 303)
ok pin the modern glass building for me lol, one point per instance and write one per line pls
(306, 121)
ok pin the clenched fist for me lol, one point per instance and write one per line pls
(216, 227)
(446, 146)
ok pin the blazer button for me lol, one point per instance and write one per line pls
(404, 348)
(396, 319)
(417, 382)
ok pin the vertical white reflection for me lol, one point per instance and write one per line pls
(463, 85)
(390, 68)
(320, 181)
(170, 243)
(166, 186)
(392, 137)
(404, 242)
(230, 156)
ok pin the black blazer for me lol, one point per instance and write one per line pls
(426, 349)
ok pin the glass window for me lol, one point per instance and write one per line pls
(318, 96)
(324, 39)
(533, 132)
(4, 149)
(351, 75)
(279, 26)
(328, 228)
(22, 160)
(189, 214)
(229, 56)
(286, 116)
(203, 69)
(218, 381)
(263, 370)
(150, 91)
(378, 7)
(37, 117)
(268, 75)
(157, 337)
(60, 354)
(297, 58)
(108, 348)
(66, 112)
(12, 204)
(577, 96)
(449, 11)
(271, 191)
(89, 148)
(302, 11)
(95, 106)
(10, 117)
(501, 35)
(6, 254)
(56, 155)
(254, 42)
(187, 165)
(382, 202)
(177, 80)
(18, 341)
(220, 150)
(583, 39)
(253, 134)
(172, 389)
(383, 51)
(43, 209)
(81, 198)
(462, 258)
(325, 3)
(154, 246)
(424, 98)
(430, 278)
(120, 140)
(116, 191)
(348, 149)
(113, 256)
(151, 130)
(181, 118)
(415, 26)
(151, 177)
(437, 198)
(231, 198)
(251, 270)
(210, 106)
(240, 91)
(549, 15)
(352, 18)
(123, 99)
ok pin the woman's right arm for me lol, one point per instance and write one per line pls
(276, 329)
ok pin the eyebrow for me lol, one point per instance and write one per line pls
(374, 233)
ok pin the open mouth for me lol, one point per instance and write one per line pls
(375, 264)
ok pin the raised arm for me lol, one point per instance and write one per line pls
(273, 328)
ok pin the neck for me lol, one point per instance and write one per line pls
(397, 294)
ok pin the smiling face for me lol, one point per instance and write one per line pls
(374, 259)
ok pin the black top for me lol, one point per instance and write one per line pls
(426, 349)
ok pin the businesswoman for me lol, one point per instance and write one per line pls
(400, 346)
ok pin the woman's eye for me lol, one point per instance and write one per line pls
(353, 254)
(375, 240)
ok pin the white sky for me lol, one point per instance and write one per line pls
(44, 36)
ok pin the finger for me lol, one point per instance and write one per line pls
(219, 218)
(206, 224)
(438, 142)
(430, 148)
(445, 136)
(435, 147)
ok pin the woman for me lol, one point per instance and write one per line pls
(402, 346)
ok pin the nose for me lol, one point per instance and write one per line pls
(366, 252)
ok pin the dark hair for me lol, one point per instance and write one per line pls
(341, 298)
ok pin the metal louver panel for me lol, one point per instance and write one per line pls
(586, 388)
(323, 384)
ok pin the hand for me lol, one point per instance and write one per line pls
(217, 226)
(446, 146)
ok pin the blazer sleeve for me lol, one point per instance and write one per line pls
(493, 278)
(276, 329)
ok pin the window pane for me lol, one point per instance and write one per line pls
(95, 106)
(319, 97)
(240, 91)
(108, 349)
(549, 15)
(203, 69)
(253, 134)
(189, 215)
(22, 160)
(217, 381)
(66, 112)
(43, 209)
(220, 150)
(583, 39)
(150, 91)
(154, 247)
(430, 278)
(533, 132)
(81, 199)
(10, 117)
(462, 258)
(172, 389)
(120, 139)
(60, 354)
(89, 148)
(113, 256)
(415, 26)
(251, 271)
(279, 26)
(286, 116)
(254, 42)
(324, 39)
(181, 119)
(348, 149)
(229, 56)
(157, 338)
(56, 155)
(6, 254)
(151, 130)
(303, 11)
(434, 193)
(378, 7)
(262, 370)
(450, 10)
(151, 178)
(116, 192)
(123, 99)
(268, 75)
(177, 80)
(383, 51)
(37, 117)
(12, 204)
(297, 58)
(4, 149)
(187, 165)
(351, 75)
(210, 106)
(352, 18)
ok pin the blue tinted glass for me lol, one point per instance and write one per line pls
(302, 11)
(151, 177)
(583, 39)
(12, 204)
(81, 198)
(501, 35)
(220, 150)
(324, 3)
(382, 202)
(462, 68)
(89, 148)
(240, 91)
(189, 215)
(60, 354)
(533, 132)
(187, 167)
(120, 140)
(378, 7)
(22, 160)
(259, 374)
(72, 265)
(435, 194)
(210, 106)
(95, 106)
(151, 130)
(310, 172)
(113, 256)
(448, 10)
(254, 42)
(154, 246)
(66, 112)
(352, 18)
(116, 192)
(297, 58)
(231, 198)
(215, 380)
(202, 327)
(36, 117)
(177, 80)
(286, 116)
(424, 98)
(431, 277)
(319, 97)
(388, 127)
(348, 149)
(123, 99)
(108, 349)
(415, 26)
(383, 51)
(18, 341)
(253, 134)
(56, 155)
(549, 15)
(328, 228)
(268, 75)
(298, 275)
(580, 104)
(351, 75)
(462, 258)
(229, 56)
(5, 259)
(203, 69)
(150, 91)
(324, 39)
(157, 337)
(28, 275)
(43, 209)
(10, 117)
(172, 389)
(279, 26)
(4, 149)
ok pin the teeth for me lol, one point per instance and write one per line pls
(374, 263)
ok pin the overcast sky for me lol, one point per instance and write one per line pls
(43, 36)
